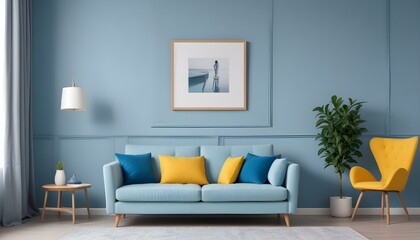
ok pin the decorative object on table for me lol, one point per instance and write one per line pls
(394, 158)
(340, 125)
(74, 180)
(60, 176)
(208, 74)
(73, 98)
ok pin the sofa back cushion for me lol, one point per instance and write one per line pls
(215, 156)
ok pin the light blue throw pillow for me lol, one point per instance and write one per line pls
(136, 168)
(277, 172)
(255, 169)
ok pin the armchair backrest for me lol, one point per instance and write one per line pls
(393, 153)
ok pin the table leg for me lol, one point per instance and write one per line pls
(72, 206)
(59, 203)
(87, 202)
(45, 205)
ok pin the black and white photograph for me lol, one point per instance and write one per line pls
(208, 75)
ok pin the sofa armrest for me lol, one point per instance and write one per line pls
(292, 186)
(113, 179)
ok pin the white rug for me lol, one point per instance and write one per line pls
(219, 233)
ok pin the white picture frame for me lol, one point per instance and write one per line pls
(208, 75)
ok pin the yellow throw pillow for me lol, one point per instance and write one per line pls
(230, 170)
(182, 170)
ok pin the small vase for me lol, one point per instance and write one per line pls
(60, 177)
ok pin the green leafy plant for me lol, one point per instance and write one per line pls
(60, 165)
(340, 125)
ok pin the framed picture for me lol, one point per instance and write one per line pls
(208, 74)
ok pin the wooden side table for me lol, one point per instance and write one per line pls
(65, 188)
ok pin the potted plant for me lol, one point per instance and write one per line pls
(340, 125)
(60, 176)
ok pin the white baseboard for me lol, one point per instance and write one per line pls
(361, 211)
(79, 211)
(300, 211)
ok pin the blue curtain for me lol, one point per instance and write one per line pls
(17, 185)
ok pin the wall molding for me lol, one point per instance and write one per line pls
(268, 125)
(206, 136)
(388, 110)
(269, 120)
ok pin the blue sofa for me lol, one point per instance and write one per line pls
(238, 198)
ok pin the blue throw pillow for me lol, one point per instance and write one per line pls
(277, 172)
(255, 169)
(136, 168)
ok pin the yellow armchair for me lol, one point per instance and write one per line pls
(395, 158)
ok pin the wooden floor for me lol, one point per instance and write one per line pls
(373, 227)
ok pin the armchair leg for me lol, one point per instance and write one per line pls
(382, 204)
(403, 205)
(357, 205)
(387, 208)
(117, 219)
(287, 219)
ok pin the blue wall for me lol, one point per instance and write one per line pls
(300, 52)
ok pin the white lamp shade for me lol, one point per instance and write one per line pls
(73, 99)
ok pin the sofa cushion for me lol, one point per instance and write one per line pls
(155, 192)
(277, 172)
(242, 192)
(182, 170)
(136, 168)
(255, 169)
(230, 170)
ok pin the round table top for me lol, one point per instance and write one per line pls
(67, 187)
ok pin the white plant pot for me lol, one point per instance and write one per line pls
(60, 177)
(341, 207)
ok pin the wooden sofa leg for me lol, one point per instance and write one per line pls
(117, 219)
(287, 219)
(124, 215)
